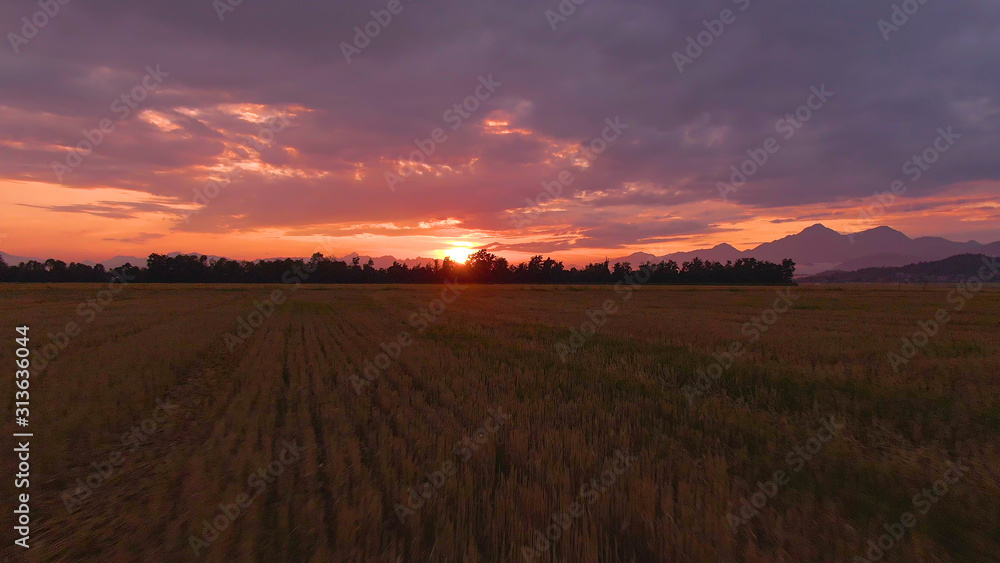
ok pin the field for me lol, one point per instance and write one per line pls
(512, 441)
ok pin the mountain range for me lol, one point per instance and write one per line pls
(816, 249)
(956, 269)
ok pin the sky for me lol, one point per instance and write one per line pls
(431, 128)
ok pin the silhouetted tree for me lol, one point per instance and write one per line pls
(481, 267)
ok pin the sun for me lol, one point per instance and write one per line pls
(458, 253)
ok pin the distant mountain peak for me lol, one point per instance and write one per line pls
(814, 249)
(949, 270)
(882, 232)
(885, 239)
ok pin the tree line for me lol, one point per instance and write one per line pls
(481, 267)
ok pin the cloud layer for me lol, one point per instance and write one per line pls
(264, 96)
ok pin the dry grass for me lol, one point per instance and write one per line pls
(495, 347)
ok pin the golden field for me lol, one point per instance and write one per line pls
(299, 378)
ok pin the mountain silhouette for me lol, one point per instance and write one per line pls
(819, 248)
(955, 269)
(816, 249)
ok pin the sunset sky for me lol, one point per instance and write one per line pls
(336, 130)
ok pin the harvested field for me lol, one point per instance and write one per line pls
(478, 403)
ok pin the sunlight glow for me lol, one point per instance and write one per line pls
(459, 253)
